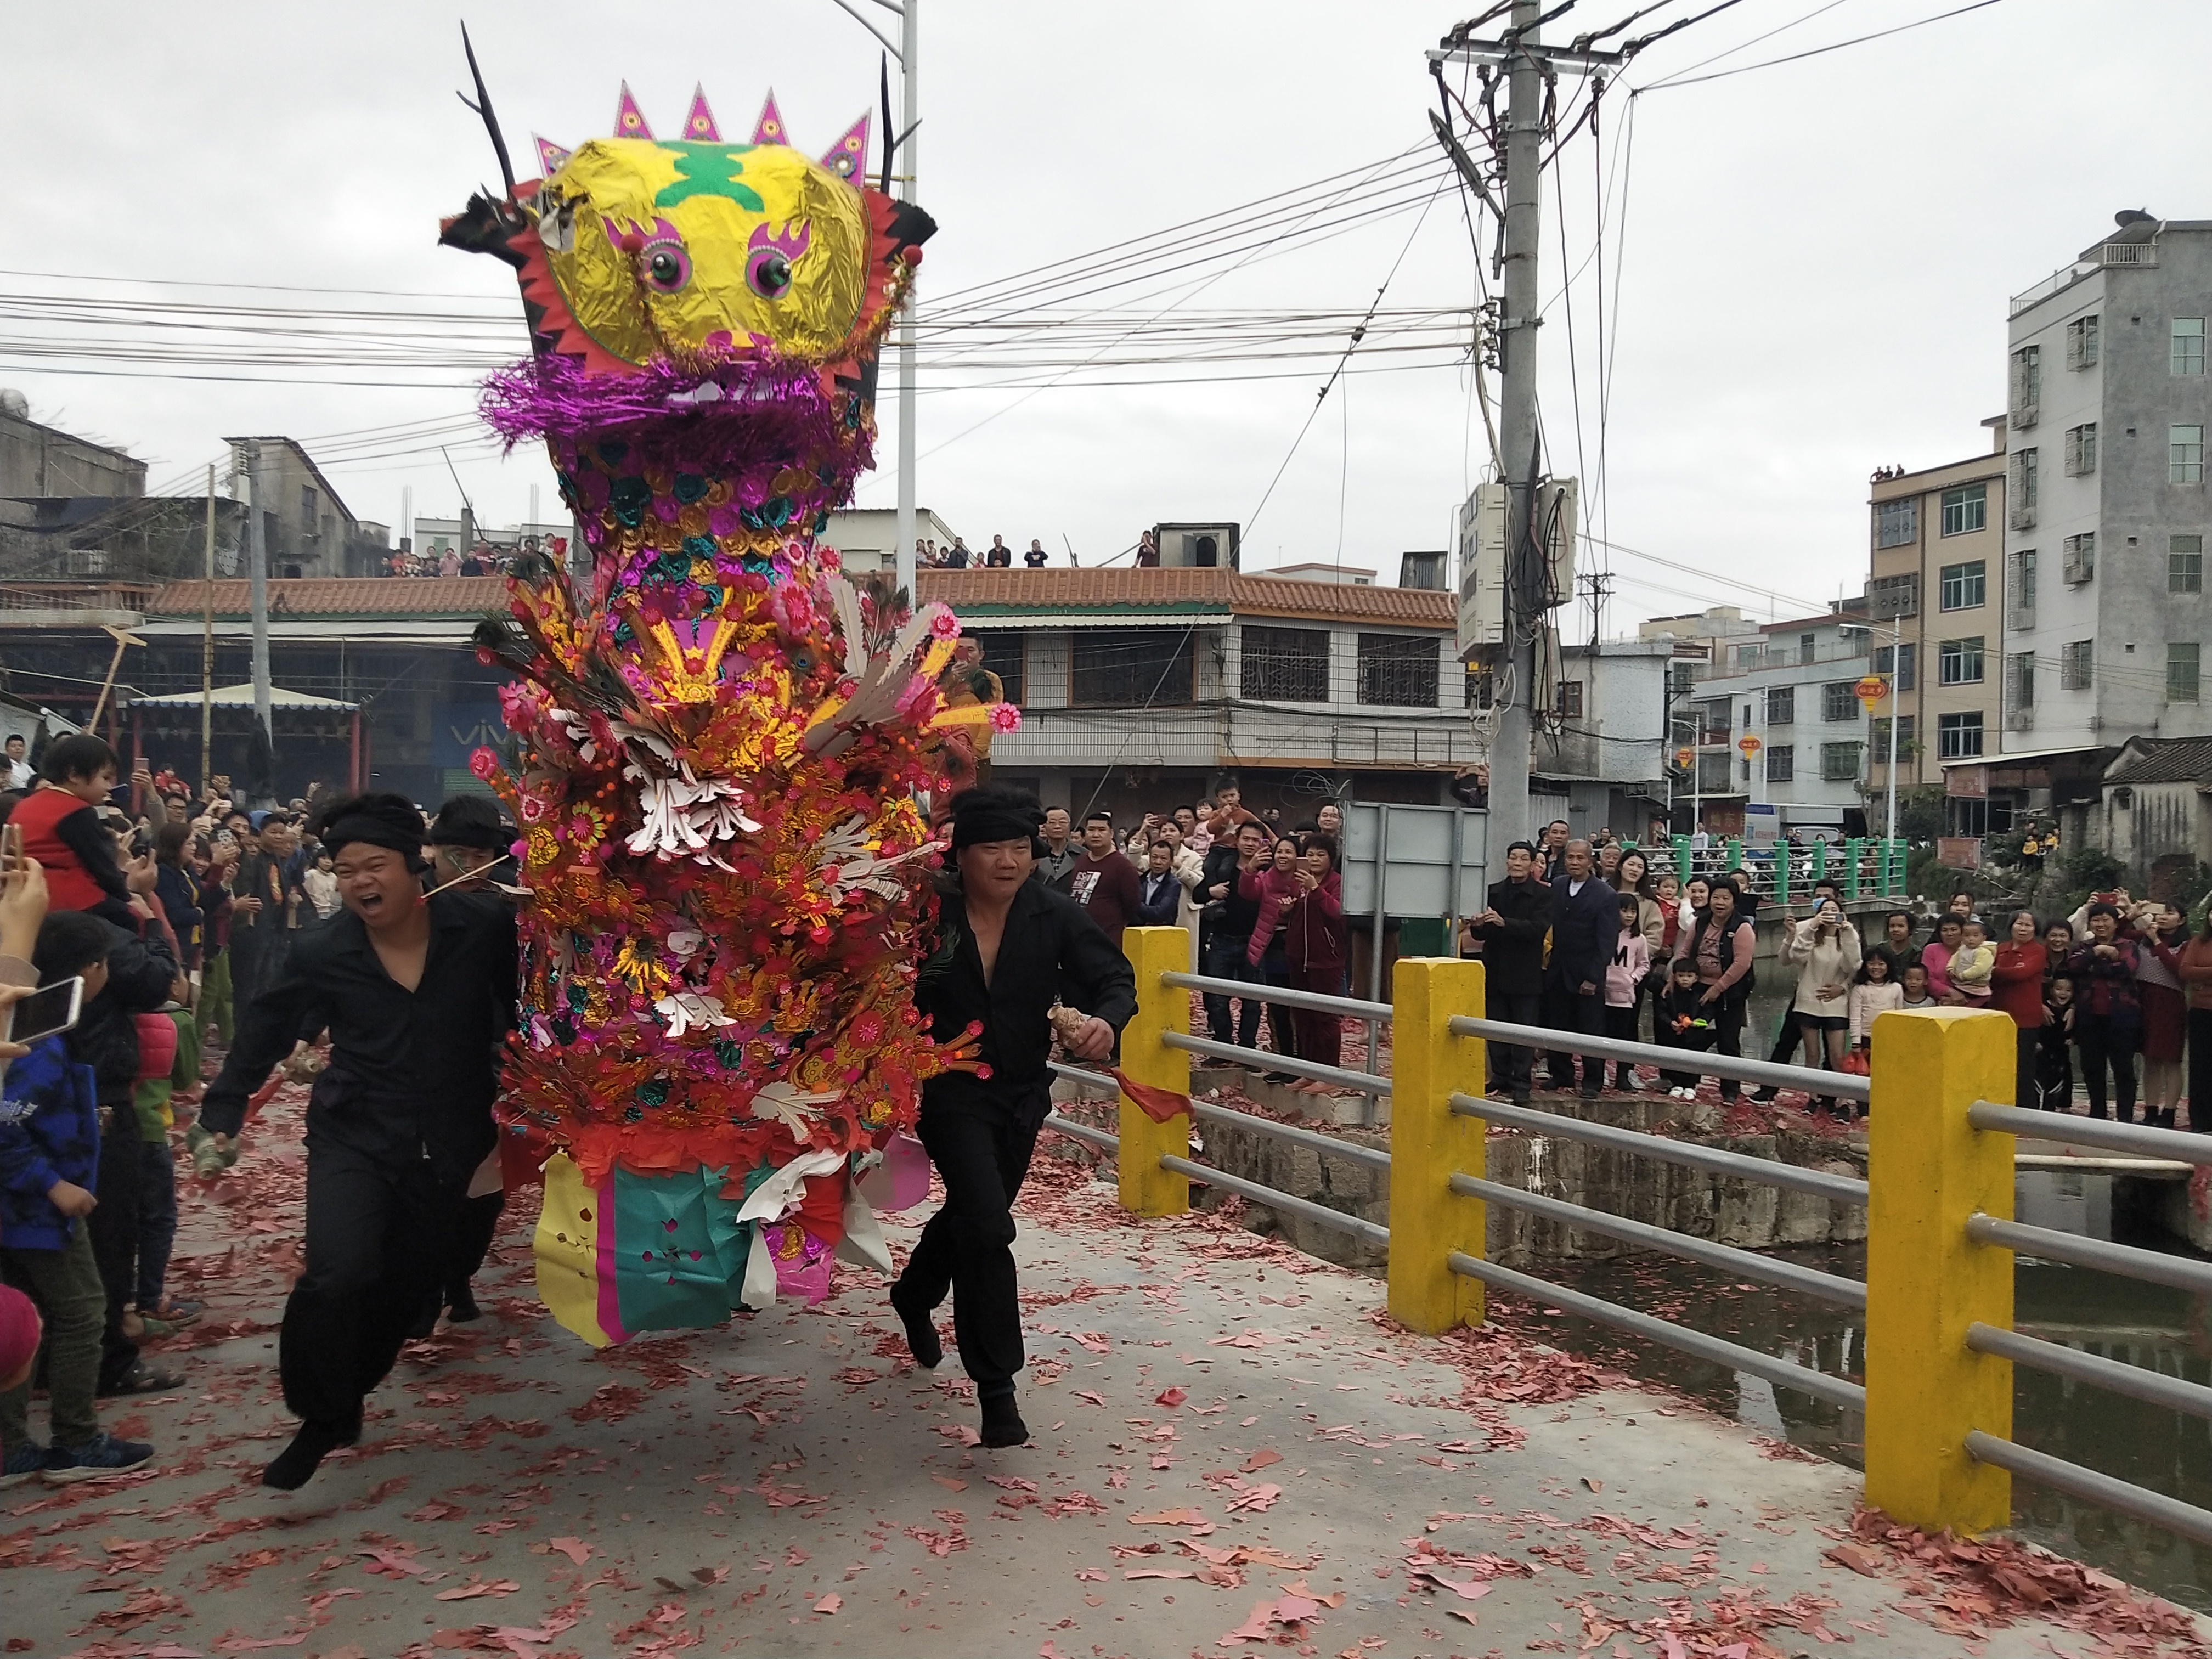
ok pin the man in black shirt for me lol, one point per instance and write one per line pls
(1512, 933)
(416, 994)
(1009, 949)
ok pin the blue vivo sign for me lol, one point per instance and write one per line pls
(458, 730)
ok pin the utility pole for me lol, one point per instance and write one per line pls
(207, 648)
(910, 169)
(258, 584)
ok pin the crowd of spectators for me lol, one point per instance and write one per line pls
(482, 559)
(956, 555)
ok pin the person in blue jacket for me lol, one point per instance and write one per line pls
(49, 1185)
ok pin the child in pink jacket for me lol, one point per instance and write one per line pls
(1630, 964)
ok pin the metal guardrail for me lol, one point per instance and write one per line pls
(1818, 1384)
(2125, 1260)
(1206, 1111)
(1373, 1232)
(1349, 1007)
(1843, 1085)
(2141, 1140)
(1358, 1082)
(2108, 1491)
(2136, 1381)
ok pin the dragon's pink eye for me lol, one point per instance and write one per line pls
(768, 273)
(666, 267)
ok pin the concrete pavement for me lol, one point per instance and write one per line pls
(1233, 1451)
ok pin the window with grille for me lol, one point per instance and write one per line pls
(1684, 677)
(2021, 595)
(1284, 664)
(1713, 774)
(1897, 661)
(2080, 449)
(1570, 700)
(2181, 670)
(1964, 816)
(2185, 564)
(2081, 342)
(1838, 702)
(2019, 679)
(1782, 763)
(1398, 670)
(1889, 597)
(1966, 510)
(2026, 385)
(2186, 355)
(309, 509)
(1897, 524)
(1879, 734)
(2027, 473)
(1713, 722)
(2184, 455)
(1962, 587)
(1781, 705)
(2075, 659)
(1132, 667)
(1004, 655)
(1959, 662)
(1808, 647)
(1958, 736)
(1840, 761)
(2078, 560)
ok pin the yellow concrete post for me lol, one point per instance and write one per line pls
(1926, 1281)
(1147, 1189)
(1429, 1141)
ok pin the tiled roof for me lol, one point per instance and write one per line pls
(2163, 760)
(1170, 593)
(341, 596)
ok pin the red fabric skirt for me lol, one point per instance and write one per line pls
(2166, 1021)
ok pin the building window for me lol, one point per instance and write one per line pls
(1900, 662)
(2080, 449)
(2185, 564)
(1897, 524)
(2186, 353)
(2181, 662)
(1959, 662)
(1398, 670)
(2027, 472)
(1713, 774)
(2078, 560)
(1958, 736)
(2075, 658)
(2081, 342)
(1889, 597)
(1808, 645)
(1004, 655)
(1713, 722)
(1481, 688)
(2021, 591)
(1747, 658)
(1840, 761)
(2184, 455)
(1879, 734)
(1782, 763)
(2019, 679)
(1570, 700)
(1132, 667)
(2026, 385)
(1966, 510)
(1682, 678)
(1964, 587)
(1781, 705)
(309, 509)
(1965, 817)
(1838, 700)
(1285, 665)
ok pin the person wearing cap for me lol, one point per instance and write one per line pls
(417, 993)
(470, 843)
(1009, 951)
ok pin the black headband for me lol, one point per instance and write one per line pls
(374, 831)
(992, 822)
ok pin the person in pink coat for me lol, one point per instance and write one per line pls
(1317, 944)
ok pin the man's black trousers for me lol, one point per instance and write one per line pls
(1510, 1061)
(1566, 1009)
(380, 1234)
(982, 1149)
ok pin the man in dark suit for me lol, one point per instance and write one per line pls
(1512, 933)
(1585, 925)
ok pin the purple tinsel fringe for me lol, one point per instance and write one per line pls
(765, 407)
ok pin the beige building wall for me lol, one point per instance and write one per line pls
(1940, 580)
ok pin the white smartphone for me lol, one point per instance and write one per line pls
(47, 1012)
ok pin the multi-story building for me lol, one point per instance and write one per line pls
(1602, 763)
(2107, 518)
(307, 530)
(1936, 599)
(1792, 688)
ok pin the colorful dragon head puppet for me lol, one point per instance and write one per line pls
(719, 742)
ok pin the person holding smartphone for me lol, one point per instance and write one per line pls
(1825, 950)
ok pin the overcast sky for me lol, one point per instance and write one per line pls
(1814, 279)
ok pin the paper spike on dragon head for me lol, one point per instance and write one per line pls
(699, 125)
(630, 120)
(768, 129)
(551, 156)
(849, 158)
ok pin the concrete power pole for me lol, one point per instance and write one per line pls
(909, 162)
(258, 584)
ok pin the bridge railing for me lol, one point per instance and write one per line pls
(1941, 1241)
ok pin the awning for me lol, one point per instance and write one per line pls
(241, 696)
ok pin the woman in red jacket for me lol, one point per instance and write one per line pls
(1316, 942)
(2016, 988)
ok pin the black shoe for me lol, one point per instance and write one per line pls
(1002, 1422)
(297, 1462)
(1765, 1096)
(463, 1308)
(1520, 1096)
(922, 1340)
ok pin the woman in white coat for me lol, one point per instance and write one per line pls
(1825, 950)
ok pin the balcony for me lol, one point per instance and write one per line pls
(2110, 256)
